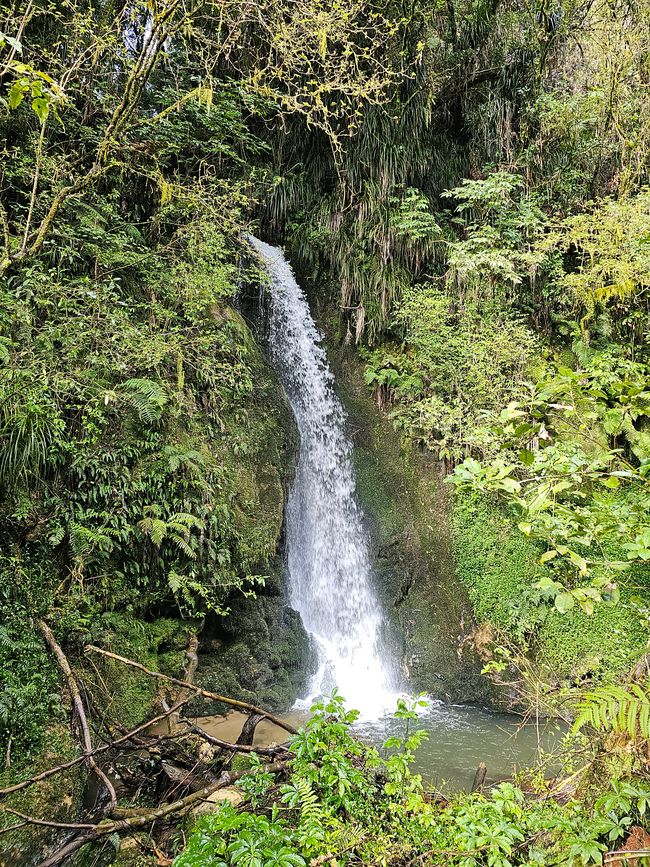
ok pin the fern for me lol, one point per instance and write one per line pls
(310, 831)
(85, 541)
(177, 529)
(614, 709)
(146, 397)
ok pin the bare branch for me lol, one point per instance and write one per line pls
(80, 711)
(91, 648)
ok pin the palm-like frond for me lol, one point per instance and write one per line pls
(615, 709)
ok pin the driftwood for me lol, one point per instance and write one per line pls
(479, 777)
(244, 705)
(80, 712)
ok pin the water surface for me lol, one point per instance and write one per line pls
(460, 736)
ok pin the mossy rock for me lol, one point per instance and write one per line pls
(259, 653)
(497, 564)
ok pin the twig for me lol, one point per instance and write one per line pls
(15, 827)
(624, 855)
(91, 648)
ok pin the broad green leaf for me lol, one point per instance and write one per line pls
(548, 555)
(564, 602)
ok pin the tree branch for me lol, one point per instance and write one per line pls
(251, 708)
(225, 745)
(64, 767)
(182, 805)
(80, 711)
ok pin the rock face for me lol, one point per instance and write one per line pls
(259, 651)
(407, 507)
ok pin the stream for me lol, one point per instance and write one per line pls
(329, 571)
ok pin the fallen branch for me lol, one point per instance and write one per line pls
(15, 827)
(180, 806)
(191, 655)
(71, 764)
(232, 702)
(80, 711)
(236, 748)
(31, 820)
(247, 734)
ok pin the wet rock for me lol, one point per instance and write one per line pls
(264, 655)
(229, 795)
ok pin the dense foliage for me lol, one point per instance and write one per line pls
(467, 185)
(347, 802)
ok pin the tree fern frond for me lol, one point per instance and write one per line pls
(614, 709)
(146, 397)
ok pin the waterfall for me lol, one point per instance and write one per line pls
(329, 571)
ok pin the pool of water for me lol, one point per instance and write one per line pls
(460, 737)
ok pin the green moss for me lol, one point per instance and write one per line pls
(602, 646)
(57, 798)
(265, 439)
(499, 567)
(126, 694)
(496, 563)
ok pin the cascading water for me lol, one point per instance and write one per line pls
(328, 559)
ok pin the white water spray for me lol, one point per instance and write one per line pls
(328, 559)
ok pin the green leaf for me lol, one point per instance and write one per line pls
(564, 602)
(41, 106)
(526, 456)
(578, 561)
(548, 555)
(16, 95)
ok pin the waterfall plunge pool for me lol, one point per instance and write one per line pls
(460, 736)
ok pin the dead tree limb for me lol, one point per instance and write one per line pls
(15, 827)
(31, 820)
(80, 712)
(248, 729)
(192, 663)
(232, 702)
(227, 746)
(128, 824)
(71, 764)
(479, 778)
